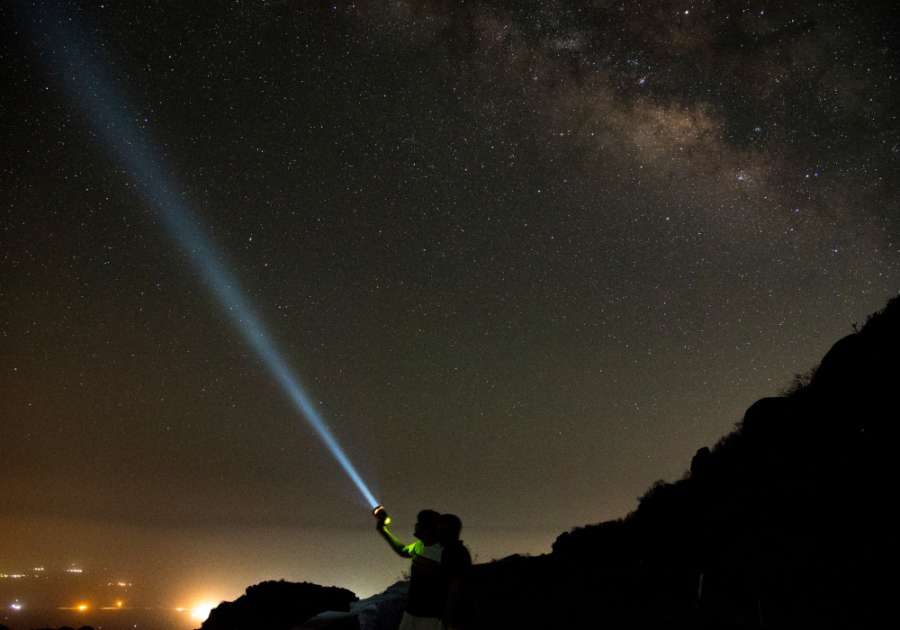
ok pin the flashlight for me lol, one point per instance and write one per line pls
(382, 515)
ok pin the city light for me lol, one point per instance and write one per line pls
(202, 611)
(81, 607)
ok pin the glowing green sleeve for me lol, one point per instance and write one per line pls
(404, 551)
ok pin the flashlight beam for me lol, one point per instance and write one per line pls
(113, 121)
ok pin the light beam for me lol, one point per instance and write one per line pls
(114, 122)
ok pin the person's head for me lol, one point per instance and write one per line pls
(449, 527)
(426, 526)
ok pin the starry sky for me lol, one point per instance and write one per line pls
(525, 257)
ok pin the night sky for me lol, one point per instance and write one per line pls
(525, 258)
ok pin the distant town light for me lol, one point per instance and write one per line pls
(202, 611)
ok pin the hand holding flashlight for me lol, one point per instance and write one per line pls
(381, 516)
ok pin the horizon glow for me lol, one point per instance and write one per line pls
(113, 121)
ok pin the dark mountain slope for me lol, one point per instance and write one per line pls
(787, 519)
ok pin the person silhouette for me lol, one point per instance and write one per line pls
(427, 584)
(456, 565)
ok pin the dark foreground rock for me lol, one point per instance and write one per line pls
(277, 606)
(379, 612)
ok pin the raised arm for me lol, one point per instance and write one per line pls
(399, 548)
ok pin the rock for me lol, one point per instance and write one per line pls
(277, 606)
(379, 612)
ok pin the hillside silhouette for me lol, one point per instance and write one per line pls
(787, 519)
(784, 523)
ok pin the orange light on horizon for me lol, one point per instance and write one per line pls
(82, 607)
(201, 611)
